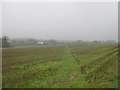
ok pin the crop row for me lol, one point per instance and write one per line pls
(103, 72)
(90, 65)
(24, 78)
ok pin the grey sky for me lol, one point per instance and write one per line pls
(61, 20)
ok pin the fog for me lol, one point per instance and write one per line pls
(61, 20)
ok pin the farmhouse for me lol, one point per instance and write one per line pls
(40, 43)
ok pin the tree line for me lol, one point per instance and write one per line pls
(6, 42)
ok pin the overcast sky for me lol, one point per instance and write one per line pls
(61, 20)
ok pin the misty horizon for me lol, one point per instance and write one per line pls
(40, 39)
(61, 21)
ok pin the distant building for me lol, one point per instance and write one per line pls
(40, 43)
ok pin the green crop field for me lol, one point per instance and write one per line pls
(84, 66)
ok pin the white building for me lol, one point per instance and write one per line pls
(40, 43)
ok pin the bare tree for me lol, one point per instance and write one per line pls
(5, 42)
